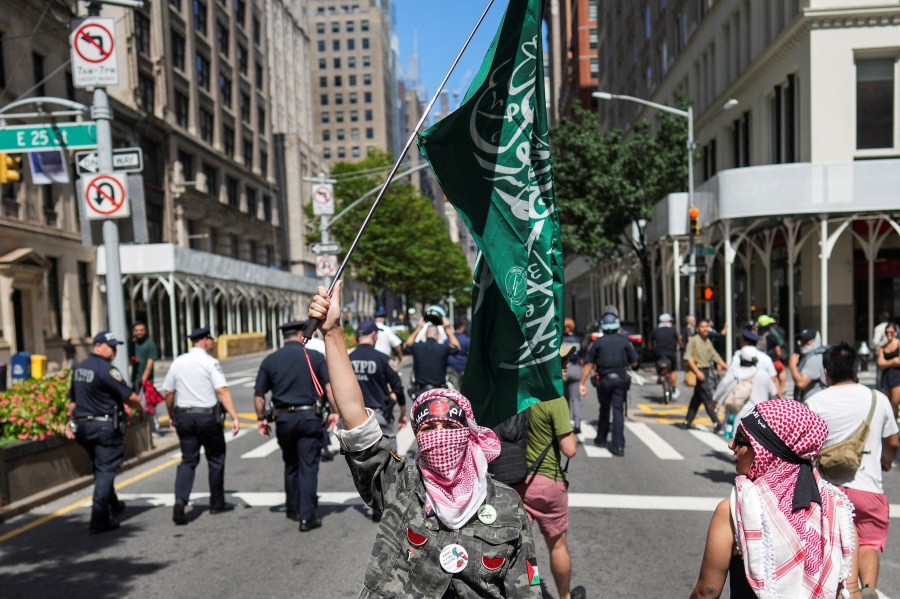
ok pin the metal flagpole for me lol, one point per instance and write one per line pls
(311, 326)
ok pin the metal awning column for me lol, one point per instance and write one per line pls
(730, 253)
(676, 278)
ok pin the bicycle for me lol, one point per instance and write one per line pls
(663, 370)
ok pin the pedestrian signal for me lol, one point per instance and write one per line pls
(706, 293)
(10, 168)
(694, 214)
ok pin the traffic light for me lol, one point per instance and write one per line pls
(10, 168)
(694, 214)
(705, 293)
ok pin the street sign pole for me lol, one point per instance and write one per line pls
(115, 296)
(323, 218)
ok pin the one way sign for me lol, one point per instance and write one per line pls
(125, 160)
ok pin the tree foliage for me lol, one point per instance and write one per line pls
(406, 247)
(604, 182)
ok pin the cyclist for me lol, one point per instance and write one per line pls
(665, 343)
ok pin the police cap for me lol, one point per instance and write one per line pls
(292, 326)
(107, 338)
(199, 333)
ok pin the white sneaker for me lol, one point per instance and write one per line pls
(676, 392)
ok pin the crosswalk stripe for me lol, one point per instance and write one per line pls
(264, 450)
(240, 381)
(587, 436)
(657, 445)
(713, 441)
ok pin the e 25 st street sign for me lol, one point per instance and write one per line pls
(44, 138)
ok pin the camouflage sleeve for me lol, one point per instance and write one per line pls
(522, 578)
(377, 471)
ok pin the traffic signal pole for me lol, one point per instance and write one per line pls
(692, 252)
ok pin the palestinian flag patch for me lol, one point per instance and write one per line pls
(534, 576)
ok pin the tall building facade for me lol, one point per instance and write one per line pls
(573, 36)
(796, 126)
(354, 81)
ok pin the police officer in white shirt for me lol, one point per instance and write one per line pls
(387, 341)
(196, 395)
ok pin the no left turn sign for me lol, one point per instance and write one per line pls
(323, 198)
(105, 196)
(93, 53)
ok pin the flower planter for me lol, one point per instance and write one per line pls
(34, 466)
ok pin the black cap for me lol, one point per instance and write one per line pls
(107, 338)
(199, 333)
(380, 312)
(750, 335)
(809, 334)
(366, 327)
(293, 326)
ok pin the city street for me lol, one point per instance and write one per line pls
(637, 524)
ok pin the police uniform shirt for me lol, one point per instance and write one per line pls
(374, 374)
(387, 339)
(195, 377)
(286, 374)
(612, 354)
(430, 361)
(98, 388)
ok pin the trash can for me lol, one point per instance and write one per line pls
(21, 366)
(38, 366)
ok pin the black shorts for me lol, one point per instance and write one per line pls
(666, 356)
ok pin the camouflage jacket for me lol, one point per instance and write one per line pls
(405, 559)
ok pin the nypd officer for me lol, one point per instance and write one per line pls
(96, 409)
(612, 355)
(196, 393)
(298, 381)
(381, 385)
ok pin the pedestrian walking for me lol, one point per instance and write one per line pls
(743, 386)
(448, 529)
(68, 354)
(574, 369)
(690, 326)
(878, 340)
(388, 341)
(197, 398)
(889, 365)
(846, 406)
(144, 355)
(545, 489)
(298, 381)
(773, 341)
(806, 365)
(665, 342)
(457, 362)
(750, 342)
(97, 420)
(611, 355)
(702, 361)
(785, 531)
(430, 357)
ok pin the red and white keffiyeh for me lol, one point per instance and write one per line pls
(791, 554)
(454, 462)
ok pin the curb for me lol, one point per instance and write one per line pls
(29, 503)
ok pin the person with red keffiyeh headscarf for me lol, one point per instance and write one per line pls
(785, 531)
(447, 529)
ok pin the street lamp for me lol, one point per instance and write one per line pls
(689, 115)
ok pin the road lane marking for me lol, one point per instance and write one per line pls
(657, 445)
(587, 436)
(712, 440)
(263, 451)
(668, 413)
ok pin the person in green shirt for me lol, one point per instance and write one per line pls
(143, 356)
(545, 492)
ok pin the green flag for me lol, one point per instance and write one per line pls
(492, 159)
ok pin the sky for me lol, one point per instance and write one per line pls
(442, 28)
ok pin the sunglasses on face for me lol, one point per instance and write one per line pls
(742, 441)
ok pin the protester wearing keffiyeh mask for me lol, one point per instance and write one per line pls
(794, 531)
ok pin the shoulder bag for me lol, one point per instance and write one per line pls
(842, 460)
(690, 378)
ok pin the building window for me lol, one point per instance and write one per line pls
(338, 82)
(335, 27)
(354, 134)
(339, 98)
(367, 79)
(243, 59)
(593, 39)
(325, 117)
(364, 25)
(187, 166)
(709, 160)
(354, 116)
(263, 163)
(235, 247)
(320, 28)
(50, 214)
(351, 62)
(177, 51)
(146, 92)
(341, 153)
(251, 246)
(321, 45)
(206, 125)
(366, 61)
(245, 107)
(223, 37)
(261, 119)
(85, 287)
(228, 140)
(336, 62)
(354, 97)
(225, 90)
(326, 135)
(370, 133)
(339, 116)
(182, 109)
(176, 4)
(37, 71)
(259, 76)
(351, 80)
(240, 12)
(351, 44)
(349, 26)
(326, 153)
(740, 141)
(322, 64)
(248, 152)
(784, 105)
(336, 45)
(142, 33)
(257, 30)
(592, 11)
(267, 208)
(323, 100)
(368, 116)
(367, 97)
(355, 152)
(875, 103)
(595, 67)
(231, 192)
(365, 43)
(203, 72)
(211, 174)
(323, 82)
(340, 134)
(200, 16)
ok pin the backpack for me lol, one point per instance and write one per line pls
(842, 460)
(511, 466)
(740, 394)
